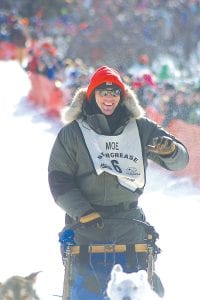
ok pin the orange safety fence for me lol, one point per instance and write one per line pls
(10, 51)
(190, 136)
(46, 96)
(7, 50)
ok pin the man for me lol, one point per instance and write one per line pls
(98, 162)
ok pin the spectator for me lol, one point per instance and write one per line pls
(194, 111)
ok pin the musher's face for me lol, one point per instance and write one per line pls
(107, 100)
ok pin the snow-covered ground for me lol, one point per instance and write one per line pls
(30, 220)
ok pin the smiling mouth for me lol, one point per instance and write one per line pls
(108, 107)
(107, 104)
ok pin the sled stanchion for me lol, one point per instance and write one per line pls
(67, 275)
(153, 250)
(150, 267)
(66, 239)
(150, 261)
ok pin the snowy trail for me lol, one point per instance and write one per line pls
(30, 220)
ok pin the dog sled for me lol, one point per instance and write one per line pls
(94, 263)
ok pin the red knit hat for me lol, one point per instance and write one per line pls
(104, 75)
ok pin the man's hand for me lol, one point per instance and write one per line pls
(162, 145)
(92, 218)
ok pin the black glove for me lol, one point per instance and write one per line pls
(163, 145)
(92, 218)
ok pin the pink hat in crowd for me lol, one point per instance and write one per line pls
(107, 77)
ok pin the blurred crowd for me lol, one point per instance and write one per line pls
(132, 36)
(93, 30)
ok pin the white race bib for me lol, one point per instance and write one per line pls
(119, 155)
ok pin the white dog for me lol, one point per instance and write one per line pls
(129, 286)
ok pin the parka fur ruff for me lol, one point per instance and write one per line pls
(74, 110)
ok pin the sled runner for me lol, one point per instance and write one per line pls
(88, 267)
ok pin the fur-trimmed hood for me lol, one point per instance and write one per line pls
(74, 110)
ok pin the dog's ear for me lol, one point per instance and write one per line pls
(143, 275)
(32, 277)
(116, 269)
